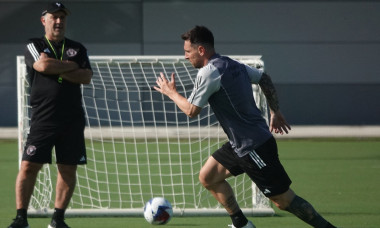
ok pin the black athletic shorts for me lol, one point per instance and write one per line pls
(68, 141)
(261, 165)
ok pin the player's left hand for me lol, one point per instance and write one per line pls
(278, 123)
(164, 86)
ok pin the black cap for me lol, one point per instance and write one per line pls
(55, 7)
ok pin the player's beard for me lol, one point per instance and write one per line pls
(197, 63)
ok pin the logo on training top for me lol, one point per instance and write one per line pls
(31, 150)
(58, 4)
(47, 50)
(71, 52)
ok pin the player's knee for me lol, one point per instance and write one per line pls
(71, 169)
(283, 201)
(280, 202)
(282, 205)
(30, 168)
(67, 171)
(204, 179)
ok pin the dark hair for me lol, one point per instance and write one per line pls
(199, 35)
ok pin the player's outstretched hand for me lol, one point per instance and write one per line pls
(164, 86)
(278, 123)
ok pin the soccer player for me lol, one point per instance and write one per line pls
(226, 85)
(56, 68)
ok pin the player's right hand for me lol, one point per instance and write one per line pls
(278, 123)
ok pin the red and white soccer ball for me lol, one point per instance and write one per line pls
(158, 211)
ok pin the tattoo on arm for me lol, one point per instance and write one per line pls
(269, 91)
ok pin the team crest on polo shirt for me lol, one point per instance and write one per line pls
(71, 52)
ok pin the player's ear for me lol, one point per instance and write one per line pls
(43, 20)
(201, 50)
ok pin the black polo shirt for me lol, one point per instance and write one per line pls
(54, 101)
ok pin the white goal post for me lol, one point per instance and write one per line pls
(139, 144)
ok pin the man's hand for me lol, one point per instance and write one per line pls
(164, 86)
(278, 123)
(43, 55)
(169, 89)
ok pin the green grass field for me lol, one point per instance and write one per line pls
(340, 177)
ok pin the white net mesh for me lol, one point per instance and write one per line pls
(139, 144)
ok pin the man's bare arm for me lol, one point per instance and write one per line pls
(269, 91)
(78, 76)
(277, 120)
(52, 66)
(68, 70)
(169, 89)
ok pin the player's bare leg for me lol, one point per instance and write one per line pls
(294, 204)
(212, 176)
(25, 181)
(283, 201)
(66, 181)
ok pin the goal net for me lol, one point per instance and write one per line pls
(139, 144)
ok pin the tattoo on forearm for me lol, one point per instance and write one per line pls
(269, 91)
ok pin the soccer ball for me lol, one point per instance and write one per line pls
(158, 211)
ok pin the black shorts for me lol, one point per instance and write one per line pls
(261, 165)
(68, 141)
